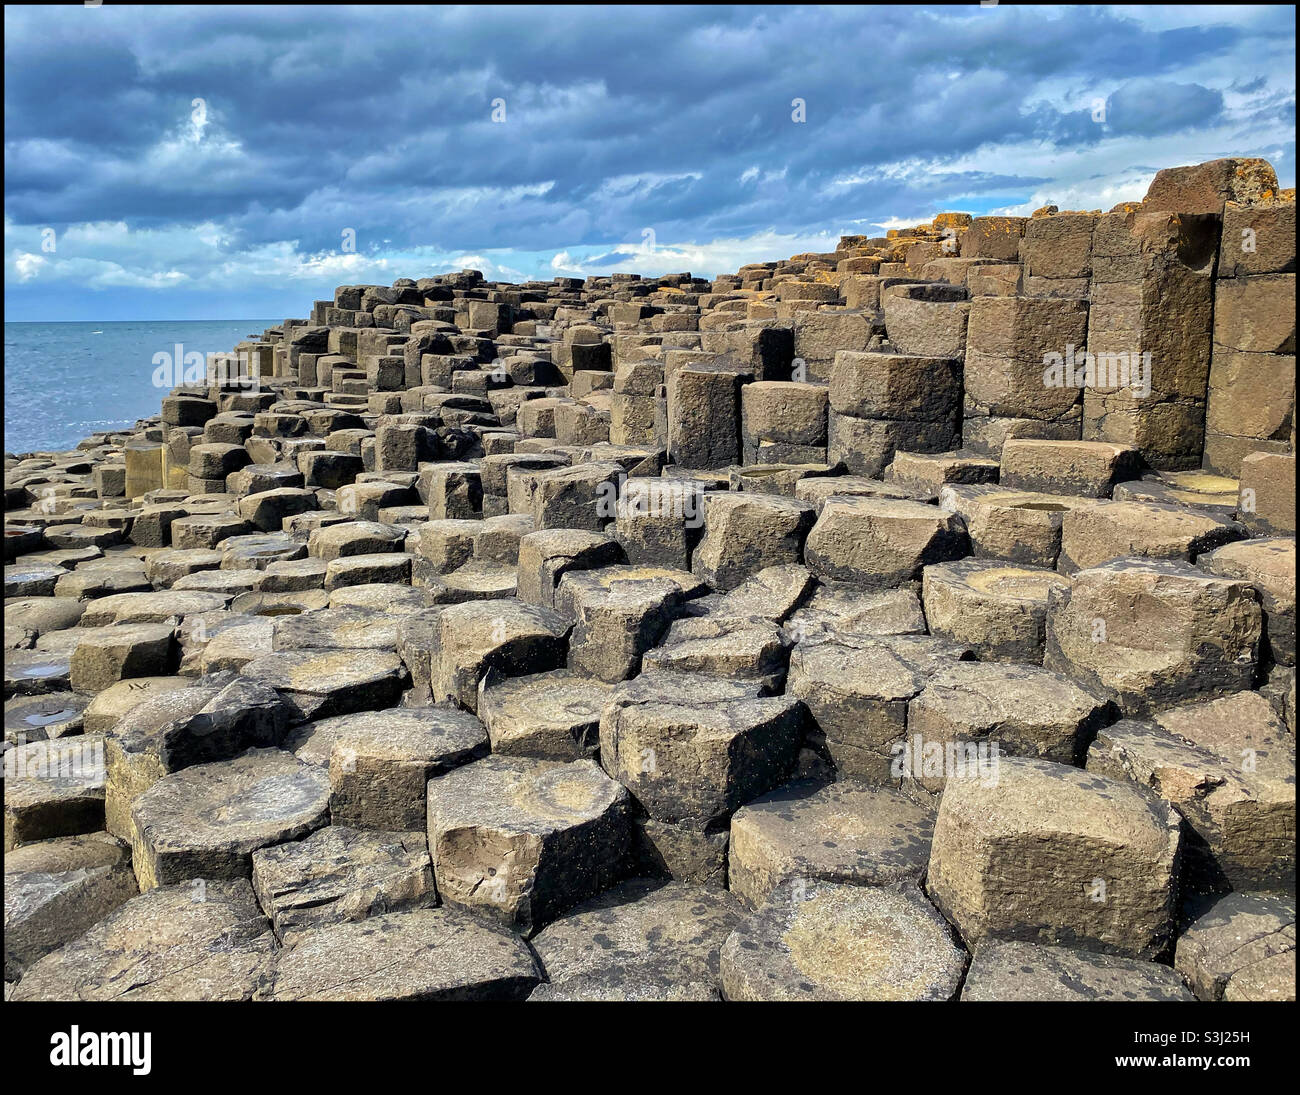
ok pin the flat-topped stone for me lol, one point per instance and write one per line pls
(1030, 972)
(381, 762)
(837, 832)
(551, 716)
(656, 941)
(523, 839)
(57, 889)
(1103, 879)
(831, 941)
(423, 954)
(206, 821)
(324, 682)
(693, 748)
(340, 874)
(200, 940)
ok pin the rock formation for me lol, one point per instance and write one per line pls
(910, 622)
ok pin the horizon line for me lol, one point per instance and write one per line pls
(236, 319)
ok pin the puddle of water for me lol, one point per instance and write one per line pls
(50, 670)
(50, 717)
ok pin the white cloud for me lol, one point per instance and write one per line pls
(564, 263)
(28, 265)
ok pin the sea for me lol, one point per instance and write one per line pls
(65, 381)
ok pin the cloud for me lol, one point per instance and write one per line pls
(186, 155)
(27, 265)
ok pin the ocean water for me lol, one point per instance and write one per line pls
(65, 381)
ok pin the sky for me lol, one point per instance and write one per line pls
(226, 162)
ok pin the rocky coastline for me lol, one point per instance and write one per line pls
(914, 621)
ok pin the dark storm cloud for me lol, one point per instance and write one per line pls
(380, 119)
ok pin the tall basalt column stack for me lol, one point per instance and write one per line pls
(881, 403)
(763, 347)
(1152, 294)
(1008, 391)
(636, 402)
(704, 414)
(993, 238)
(1153, 285)
(1251, 404)
(927, 319)
(784, 422)
(820, 334)
(1056, 254)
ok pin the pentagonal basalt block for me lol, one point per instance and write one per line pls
(1105, 881)
(206, 821)
(999, 611)
(337, 627)
(746, 533)
(57, 889)
(857, 690)
(1021, 527)
(547, 555)
(1241, 948)
(1269, 565)
(842, 613)
(692, 748)
(771, 594)
(511, 638)
(1087, 468)
(340, 874)
(659, 521)
(424, 954)
(836, 832)
(830, 941)
(54, 788)
(971, 715)
(381, 763)
(618, 614)
(37, 718)
(1154, 634)
(524, 839)
(1228, 767)
(880, 542)
(215, 719)
(583, 497)
(37, 672)
(201, 940)
(111, 654)
(319, 683)
(1031, 972)
(354, 538)
(551, 716)
(736, 647)
(657, 941)
(1106, 530)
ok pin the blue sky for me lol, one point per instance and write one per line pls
(192, 162)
